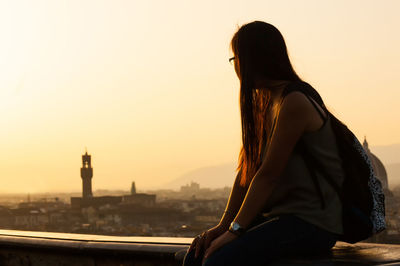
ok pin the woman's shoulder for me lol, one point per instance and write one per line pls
(300, 103)
(296, 102)
(304, 88)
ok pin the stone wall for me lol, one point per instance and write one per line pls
(23, 248)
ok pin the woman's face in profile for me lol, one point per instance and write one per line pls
(236, 66)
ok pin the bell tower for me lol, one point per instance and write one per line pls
(86, 174)
(365, 144)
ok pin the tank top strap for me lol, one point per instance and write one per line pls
(300, 86)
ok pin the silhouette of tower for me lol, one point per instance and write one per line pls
(365, 144)
(86, 174)
(133, 188)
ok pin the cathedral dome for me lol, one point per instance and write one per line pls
(378, 166)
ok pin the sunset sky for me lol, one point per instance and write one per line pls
(146, 85)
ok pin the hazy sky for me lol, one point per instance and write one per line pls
(146, 85)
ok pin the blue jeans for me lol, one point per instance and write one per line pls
(276, 237)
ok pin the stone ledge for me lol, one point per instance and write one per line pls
(350, 254)
(20, 248)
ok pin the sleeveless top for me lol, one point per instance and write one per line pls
(295, 192)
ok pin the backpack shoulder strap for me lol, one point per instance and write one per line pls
(324, 117)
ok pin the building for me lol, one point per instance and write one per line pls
(192, 188)
(392, 232)
(379, 168)
(88, 200)
(86, 175)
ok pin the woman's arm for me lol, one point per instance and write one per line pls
(294, 117)
(232, 207)
(235, 200)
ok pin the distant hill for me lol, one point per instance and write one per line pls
(223, 175)
(211, 177)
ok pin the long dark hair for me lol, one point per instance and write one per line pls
(260, 51)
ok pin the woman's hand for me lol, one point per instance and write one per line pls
(202, 242)
(219, 242)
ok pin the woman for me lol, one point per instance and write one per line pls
(278, 206)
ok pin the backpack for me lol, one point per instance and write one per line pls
(361, 193)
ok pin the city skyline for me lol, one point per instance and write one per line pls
(210, 177)
(147, 87)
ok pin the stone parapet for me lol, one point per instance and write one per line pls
(20, 248)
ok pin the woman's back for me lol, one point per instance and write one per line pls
(296, 192)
